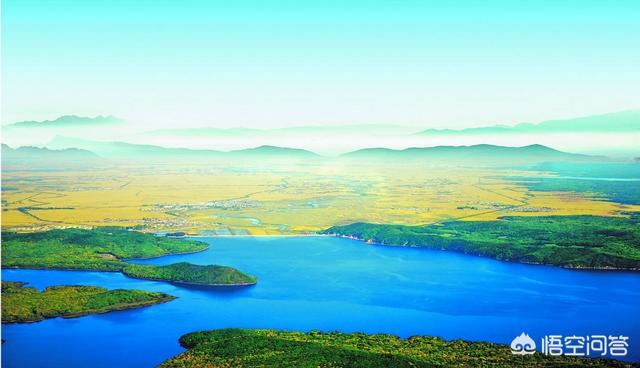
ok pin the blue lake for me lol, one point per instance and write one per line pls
(327, 283)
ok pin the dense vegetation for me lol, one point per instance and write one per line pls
(20, 304)
(94, 249)
(569, 241)
(189, 273)
(268, 348)
(103, 249)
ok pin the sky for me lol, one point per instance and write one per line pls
(278, 63)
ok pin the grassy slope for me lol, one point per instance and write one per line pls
(20, 304)
(569, 241)
(103, 249)
(268, 348)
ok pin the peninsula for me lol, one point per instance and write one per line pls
(106, 248)
(26, 304)
(586, 242)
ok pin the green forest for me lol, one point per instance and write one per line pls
(27, 304)
(105, 249)
(270, 348)
(184, 272)
(569, 241)
(100, 249)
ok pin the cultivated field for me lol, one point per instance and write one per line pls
(272, 198)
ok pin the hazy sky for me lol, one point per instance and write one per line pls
(259, 63)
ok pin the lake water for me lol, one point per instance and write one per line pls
(327, 283)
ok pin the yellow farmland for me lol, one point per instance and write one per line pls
(220, 199)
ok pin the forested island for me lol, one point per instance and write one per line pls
(589, 242)
(187, 273)
(106, 248)
(271, 348)
(27, 304)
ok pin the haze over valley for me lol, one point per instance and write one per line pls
(614, 134)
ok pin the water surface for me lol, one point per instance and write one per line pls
(328, 283)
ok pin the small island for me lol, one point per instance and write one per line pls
(26, 304)
(580, 242)
(187, 273)
(271, 348)
(107, 248)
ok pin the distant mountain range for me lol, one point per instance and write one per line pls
(37, 152)
(68, 121)
(77, 150)
(484, 153)
(28, 158)
(613, 134)
(133, 151)
(313, 130)
(625, 121)
(123, 149)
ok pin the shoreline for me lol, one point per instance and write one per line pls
(367, 242)
(189, 283)
(571, 268)
(435, 341)
(122, 307)
(126, 275)
(57, 269)
(166, 255)
(253, 236)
